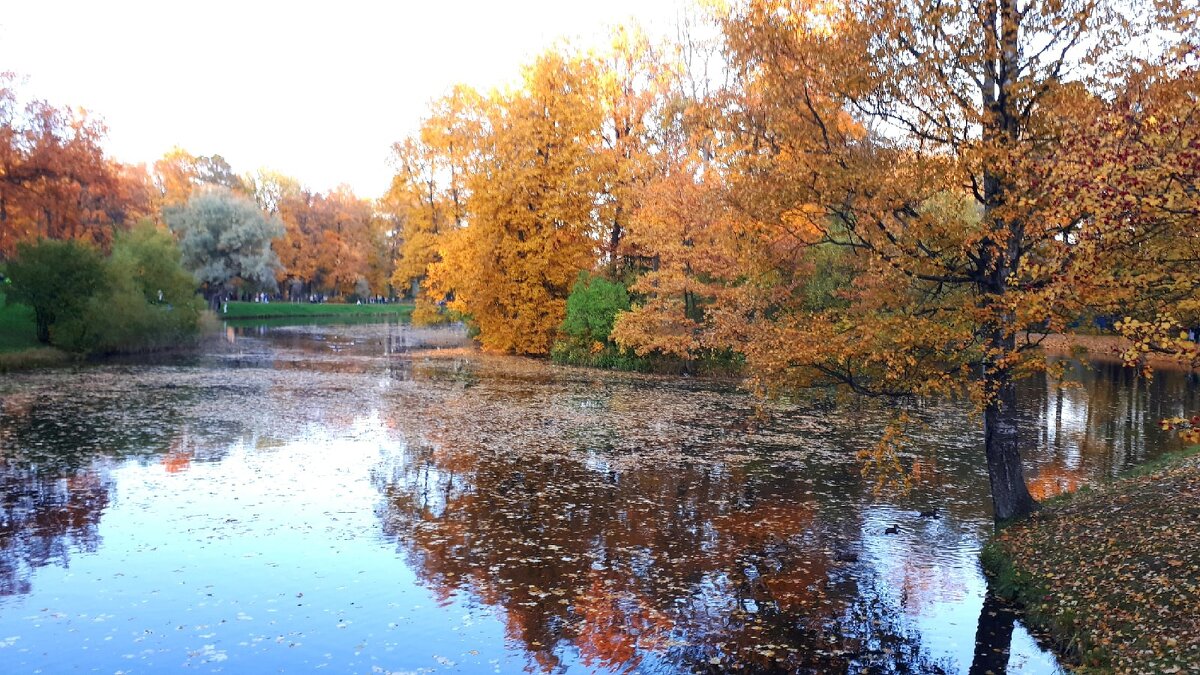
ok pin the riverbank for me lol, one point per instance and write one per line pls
(20, 349)
(277, 310)
(1113, 574)
(1101, 349)
(34, 357)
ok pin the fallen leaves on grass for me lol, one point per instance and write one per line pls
(1116, 573)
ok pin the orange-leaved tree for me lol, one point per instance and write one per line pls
(55, 181)
(178, 173)
(995, 172)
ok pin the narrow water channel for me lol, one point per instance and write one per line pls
(379, 498)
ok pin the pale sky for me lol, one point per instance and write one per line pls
(315, 90)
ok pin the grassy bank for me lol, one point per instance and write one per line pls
(1113, 574)
(20, 349)
(34, 357)
(273, 310)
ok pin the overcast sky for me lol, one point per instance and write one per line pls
(318, 91)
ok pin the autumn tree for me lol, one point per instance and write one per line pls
(637, 102)
(967, 154)
(429, 195)
(380, 246)
(347, 238)
(415, 202)
(54, 178)
(284, 198)
(178, 173)
(331, 242)
(225, 240)
(270, 189)
(531, 223)
(682, 231)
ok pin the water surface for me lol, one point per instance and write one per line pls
(379, 498)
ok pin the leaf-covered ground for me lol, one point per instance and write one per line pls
(1115, 573)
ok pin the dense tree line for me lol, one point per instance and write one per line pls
(71, 246)
(56, 183)
(894, 198)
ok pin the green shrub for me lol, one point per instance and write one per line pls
(592, 308)
(140, 297)
(149, 301)
(57, 279)
(583, 337)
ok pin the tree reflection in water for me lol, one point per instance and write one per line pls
(57, 451)
(43, 519)
(641, 567)
(719, 549)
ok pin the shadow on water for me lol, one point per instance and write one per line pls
(578, 521)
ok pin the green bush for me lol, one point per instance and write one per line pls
(57, 279)
(150, 301)
(140, 297)
(592, 308)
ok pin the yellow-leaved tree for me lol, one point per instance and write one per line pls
(530, 225)
(992, 172)
(429, 195)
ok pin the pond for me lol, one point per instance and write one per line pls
(382, 498)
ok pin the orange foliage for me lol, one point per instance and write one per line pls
(329, 242)
(530, 222)
(54, 178)
(989, 196)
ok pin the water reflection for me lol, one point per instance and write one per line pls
(46, 519)
(1099, 421)
(500, 514)
(698, 567)
(60, 442)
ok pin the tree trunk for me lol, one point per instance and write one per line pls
(999, 258)
(614, 243)
(1001, 427)
(42, 321)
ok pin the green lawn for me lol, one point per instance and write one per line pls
(257, 310)
(17, 329)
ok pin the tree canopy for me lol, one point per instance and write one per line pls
(894, 198)
(55, 278)
(225, 240)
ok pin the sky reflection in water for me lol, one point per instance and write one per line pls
(337, 497)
